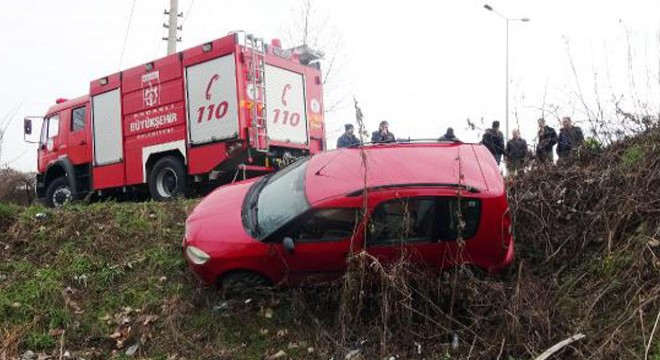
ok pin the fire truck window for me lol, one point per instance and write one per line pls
(44, 132)
(53, 126)
(78, 119)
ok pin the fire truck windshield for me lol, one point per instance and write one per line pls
(281, 199)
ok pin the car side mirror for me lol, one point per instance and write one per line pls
(27, 126)
(288, 244)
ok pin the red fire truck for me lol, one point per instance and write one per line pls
(233, 107)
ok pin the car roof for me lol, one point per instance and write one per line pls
(340, 172)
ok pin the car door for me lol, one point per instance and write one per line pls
(424, 229)
(322, 240)
(405, 227)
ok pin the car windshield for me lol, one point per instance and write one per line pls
(282, 198)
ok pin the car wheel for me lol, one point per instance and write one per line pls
(59, 193)
(167, 179)
(243, 282)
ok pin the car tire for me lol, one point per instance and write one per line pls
(243, 282)
(168, 179)
(59, 193)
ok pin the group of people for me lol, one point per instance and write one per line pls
(515, 151)
(382, 135)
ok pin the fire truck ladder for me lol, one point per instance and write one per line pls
(257, 81)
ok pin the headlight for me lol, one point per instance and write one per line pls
(197, 256)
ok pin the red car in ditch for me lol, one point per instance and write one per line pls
(443, 204)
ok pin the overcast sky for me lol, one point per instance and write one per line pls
(421, 65)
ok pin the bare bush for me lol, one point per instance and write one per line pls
(16, 187)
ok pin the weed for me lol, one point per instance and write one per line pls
(633, 156)
(39, 341)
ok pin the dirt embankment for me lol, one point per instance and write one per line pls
(108, 280)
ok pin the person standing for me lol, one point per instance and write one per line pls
(448, 136)
(515, 152)
(493, 140)
(570, 139)
(348, 138)
(383, 135)
(547, 137)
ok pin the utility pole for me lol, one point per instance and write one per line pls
(172, 27)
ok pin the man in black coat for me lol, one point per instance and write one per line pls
(516, 152)
(547, 137)
(493, 140)
(383, 134)
(348, 138)
(570, 139)
(449, 136)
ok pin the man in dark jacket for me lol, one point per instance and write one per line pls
(348, 138)
(516, 152)
(383, 134)
(547, 139)
(448, 136)
(493, 140)
(570, 139)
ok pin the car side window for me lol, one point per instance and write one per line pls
(78, 119)
(413, 220)
(403, 221)
(326, 225)
(455, 222)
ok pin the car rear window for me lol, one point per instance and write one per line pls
(424, 219)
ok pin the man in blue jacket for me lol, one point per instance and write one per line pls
(348, 138)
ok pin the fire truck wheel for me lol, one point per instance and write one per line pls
(167, 179)
(59, 193)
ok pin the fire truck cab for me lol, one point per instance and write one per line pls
(231, 108)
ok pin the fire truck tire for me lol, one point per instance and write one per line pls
(167, 179)
(59, 193)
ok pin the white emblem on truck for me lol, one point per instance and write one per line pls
(151, 86)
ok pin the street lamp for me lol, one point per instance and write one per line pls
(506, 114)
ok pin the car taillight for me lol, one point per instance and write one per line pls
(507, 225)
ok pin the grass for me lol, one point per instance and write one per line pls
(633, 156)
(99, 269)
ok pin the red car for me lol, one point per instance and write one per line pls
(299, 224)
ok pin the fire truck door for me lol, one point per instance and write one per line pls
(79, 149)
(285, 103)
(52, 141)
(212, 101)
(108, 141)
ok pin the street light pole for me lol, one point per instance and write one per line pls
(506, 72)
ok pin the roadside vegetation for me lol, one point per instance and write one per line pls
(107, 280)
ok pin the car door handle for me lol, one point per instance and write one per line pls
(82, 142)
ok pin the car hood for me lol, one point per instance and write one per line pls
(217, 218)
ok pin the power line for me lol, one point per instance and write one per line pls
(128, 28)
(186, 15)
